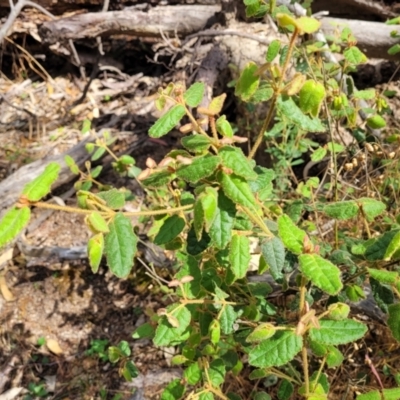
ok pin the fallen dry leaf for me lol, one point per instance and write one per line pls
(54, 347)
(5, 291)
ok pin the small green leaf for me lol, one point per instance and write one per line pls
(308, 24)
(355, 56)
(194, 94)
(384, 276)
(173, 391)
(342, 210)
(200, 168)
(292, 237)
(100, 151)
(262, 186)
(171, 228)
(144, 331)
(95, 249)
(224, 127)
(293, 113)
(318, 154)
(338, 332)
(114, 198)
(158, 179)
(209, 202)
(168, 121)
(120, 246)
(216, 372)
(227, 319)
(311, 97)
(334, 357)
(393, 247)
(234, 159)
(322, 273)
(273, 50)
(384, 394)
(221, 228)
(371, 207)
(98, 223)
(12, 223)
(216, 104)
(394, 320)
(71, 164)
(196, 143)
(248, 82)
(214, 331)
(239, 255)
(41, 185)
(273, 252)
(285, 390)
(276, 351)
(237, 189)
(367, 94)
(192, 374)
(166, 333)
(261, 332)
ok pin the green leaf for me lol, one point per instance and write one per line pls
(322, 273)
(292, 237)
(194, 94)
(196, 143)
(12, 223)
(273, 50)
(262, 396)
(41, 185)
(144, 331)
(394, 320)
(311, 97)
(200, 168)
(237, 189)
(376, 122)
(227, 318)
(334, 357)
(171, 228)
(98, 223)
(168, 121)
(273, 252)
(308, 24)
(377, 249)
(198, 219)
(371, 207)
(338, 332)
(234, 159)
(216, 373)
(342, 210)
(120, 246)
(385, 394)
(354, 56)
(384, 276)
(318, 154)
(158, 179)
(393, 247)
(95, 249)
(71, 164)
(367, 94)
(114, 198)
(214, 331)
(166, 333)
(293, 113)
(285, 390)
(239, 255)
(221, 228)
(276, 351)
(223, 126)
(209, 202)
(261, 332)
(248, 82)
(173, 391)
(262, 186)
(192, 374)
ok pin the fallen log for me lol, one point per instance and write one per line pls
(169, 20)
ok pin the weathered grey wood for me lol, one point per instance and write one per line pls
(11, 187)
(170, 20)
(373, 38)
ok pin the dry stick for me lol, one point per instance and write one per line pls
(98, 39)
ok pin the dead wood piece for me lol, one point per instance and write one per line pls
(373, 38)
(171, 20)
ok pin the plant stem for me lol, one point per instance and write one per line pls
(271, 110)
(305, 370)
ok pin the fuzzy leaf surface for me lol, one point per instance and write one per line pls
(171, 228)
(194, 94)
(234, 159)
(12, 223)
(120, 246)
(338, 332)
(239, 255)
(41, 185)
(95, 249)
(200, 168)
(276, 351)
(237, 189)
(322, 273)
(292, 237)
(273, 252)
(168, 121)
